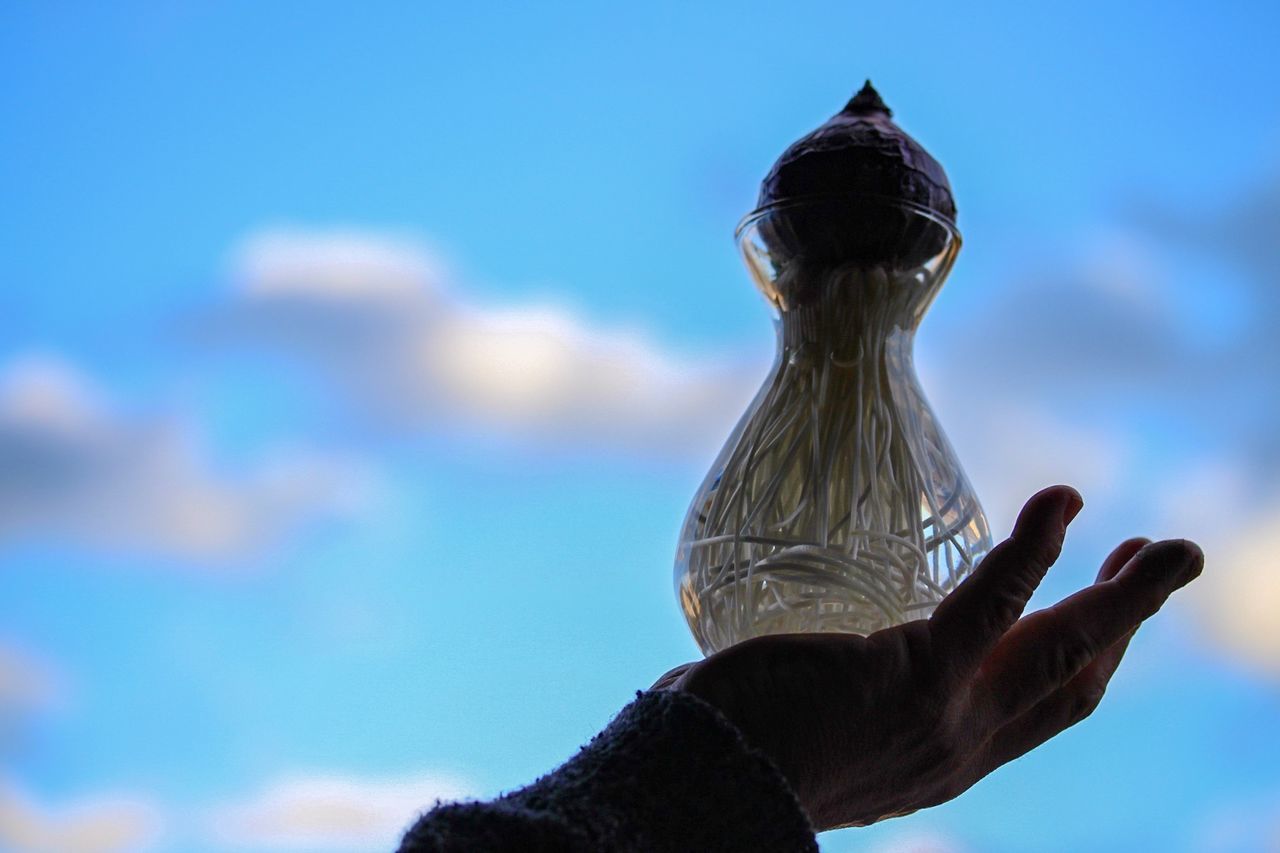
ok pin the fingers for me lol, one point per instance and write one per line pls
(1048, 649)
(1071, 703)
(972, 619)
(1122, 554)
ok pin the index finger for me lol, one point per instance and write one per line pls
(971, 620)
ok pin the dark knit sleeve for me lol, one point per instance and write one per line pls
(669, 773)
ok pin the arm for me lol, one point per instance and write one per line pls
(669, 773)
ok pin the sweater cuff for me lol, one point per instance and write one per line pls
(672, 773)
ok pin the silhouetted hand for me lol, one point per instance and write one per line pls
(866, 728)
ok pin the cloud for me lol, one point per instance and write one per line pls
(1121, 326)
(1245, 232)
(1242, 596)
(378, 318)
(1034, 389)
(1087, 326)
(26, 683)
(1012, 448)
(1238, 596)
(333, 812)
(98, 824)
(1065, 375)
(1231, 494)
(1238, 248)
(72, 468)
(1099, 374)
(29, 688)
(338, 265)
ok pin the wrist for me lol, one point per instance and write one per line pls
(671, 765)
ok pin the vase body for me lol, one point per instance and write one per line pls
(837, 503)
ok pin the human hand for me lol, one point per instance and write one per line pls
(866, 728)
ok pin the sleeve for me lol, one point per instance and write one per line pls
(669, 773)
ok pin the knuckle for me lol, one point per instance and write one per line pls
(1005, 608)
(1032, 556)
(1068, 657)
(1014, 571)
(1044, 551)
(1084, 702)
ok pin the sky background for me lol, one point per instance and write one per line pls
(357, 367)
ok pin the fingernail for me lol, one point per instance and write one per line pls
(1074, 504)
(1194, 564)
(1180, 558)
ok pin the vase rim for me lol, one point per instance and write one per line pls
(745, 224)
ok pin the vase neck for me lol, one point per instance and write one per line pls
(854, 310)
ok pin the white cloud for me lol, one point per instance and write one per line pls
(374, 316)
(337, 264)
(98, 824)
(1207, 498)
(543, 370)
(333, 812)
(1064, 376)
(73, 468)
(1238, 596)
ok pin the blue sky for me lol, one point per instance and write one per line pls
(357, 367)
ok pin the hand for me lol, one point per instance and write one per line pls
(866, 728)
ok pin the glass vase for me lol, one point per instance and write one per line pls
(837, 503)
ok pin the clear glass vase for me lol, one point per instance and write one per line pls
(837, 504)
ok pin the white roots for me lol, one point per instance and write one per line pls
(837, 504)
